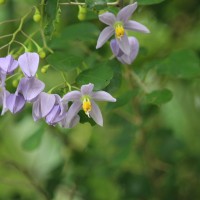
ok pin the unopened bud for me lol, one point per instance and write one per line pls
(15, 83)
(37, 15)
(44, 69)
(82, 13)
(42, 53)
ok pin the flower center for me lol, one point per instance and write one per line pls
(119, 31)
(87, 106)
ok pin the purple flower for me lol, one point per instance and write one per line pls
(118, 26)
(57, 113)
(121, 56)
(8, 64)
(43, 105)
(84, 99)
(3, 93)
(66, 123)
(29, 63)
(15, 102)
(30, 88)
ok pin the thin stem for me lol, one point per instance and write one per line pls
(17, 31)
(4, 36)
(84, 4)
(53, 88)
(12, 76)
(8, 21)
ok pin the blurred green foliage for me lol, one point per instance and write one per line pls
(149, 146)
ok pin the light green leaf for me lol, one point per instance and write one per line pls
(100, 76)
(180, 64)
(149, 2)
(33, 141)
(159, 97)
(64, 62)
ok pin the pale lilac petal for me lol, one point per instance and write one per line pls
(8, 64)
(15, 103)
(87, 89)
(124, 44)
(2, 80)
(135, 26)
(95, 113)
(43, 105)
(102, 96)
(72, 112)
(72, 96)
(3, 100)
(107, 18)
(115, 48)
(29, 63)
(128, 59)
(54, 116)
(125, 13)
(63, 106)
(30, 88)
(72, 123)
(104, 36)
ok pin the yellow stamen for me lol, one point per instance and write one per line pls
(87, 107)
(119, 31)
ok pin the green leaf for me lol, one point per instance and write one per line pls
(33, 141)
(181, 64)
(100, 76)
(64, 62)
(123, 99)
(84, 118)
(83, 31)
(149, 2)
(159, 97)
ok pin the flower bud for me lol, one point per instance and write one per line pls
(44, 69)
(42, 53)
(82, 13)
(15, 83)
(37, 15)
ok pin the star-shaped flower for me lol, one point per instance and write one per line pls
(118, 26)
(85, 99)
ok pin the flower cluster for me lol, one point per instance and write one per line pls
(123, 47)
(51, 107)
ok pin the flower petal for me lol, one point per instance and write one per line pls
(103, 96)
(115, 48)
(30, 88)
(29, 63)
(95, 113)
(125, 13)
(43, 105)
(3, 100)
(72, 96)
(107, 18)
(134, 45)
(104, 36)
(73, 122)
(72, 112)
(124, 44)
(87, 89)
(135, 26)
(15, 103)
(8, 64)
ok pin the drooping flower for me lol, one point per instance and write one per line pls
(15, 102)
(118, 26)
(120, 55)
(43, 105)
(57, 113)
(85, 99)
(8, 64)
(29, 63)
(29, 86)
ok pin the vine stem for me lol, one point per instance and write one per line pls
(17, 31)
(84, 4)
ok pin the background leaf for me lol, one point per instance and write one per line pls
(149, 2)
